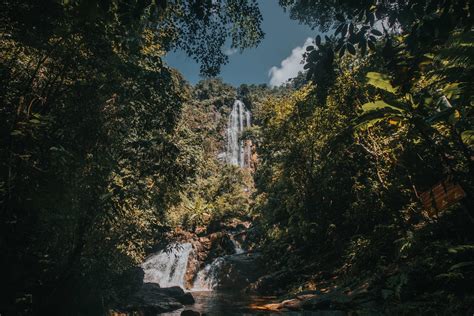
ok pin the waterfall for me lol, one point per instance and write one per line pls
(208, 278)
(238, 153)
(237, 248)
(168, 268)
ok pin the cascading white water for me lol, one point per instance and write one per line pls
(208, 277)
(238, 152)
(168, 268)
(237, 248)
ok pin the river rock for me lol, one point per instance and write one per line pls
(176, 292)
(273, 283)
(239, 270)
(190, 313)
(152, 299)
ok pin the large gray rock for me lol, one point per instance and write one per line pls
(190, 313)
(274, 283)
(176, 292)
(151, 299)
(239, 270)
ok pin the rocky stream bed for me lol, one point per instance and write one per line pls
(222, 273)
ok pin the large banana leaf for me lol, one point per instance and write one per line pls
(377, 105)
(380, 81)
(378, 115)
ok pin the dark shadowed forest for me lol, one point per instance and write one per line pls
(127, 190)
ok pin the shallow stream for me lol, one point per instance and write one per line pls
(218, 303)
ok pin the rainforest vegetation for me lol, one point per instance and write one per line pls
(105, 151)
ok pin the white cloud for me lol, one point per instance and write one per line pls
(230, 51)
(290, 66)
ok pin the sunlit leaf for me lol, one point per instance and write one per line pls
(377, 105)
(394, 121)
(380, 81)
(468, 137)
(16, 133)
(452, 90)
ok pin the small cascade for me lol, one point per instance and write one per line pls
(238, 152)
(168, 268)
(237, 247)
(208, 278)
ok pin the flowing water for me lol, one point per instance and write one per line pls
(237, 247)
(168, 268)
(207, 279)
(217, 303)
(238, 152)
(224, 303)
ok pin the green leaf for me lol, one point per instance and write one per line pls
(106, 196)
(344, 29)
(468, 137)
(452, 91)
(376, 116)
(342, 51)
(369, 123)
(462, 265)
(339, 29)
(351, 48)
(16, 132)
(461, 249)
(449, 276)
(318, 40)
(380, 81)
(377, 105)
(371, 45)
(376, 32)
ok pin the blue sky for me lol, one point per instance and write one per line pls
(283, 43)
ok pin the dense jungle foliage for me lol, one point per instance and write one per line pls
(219, 192)
(104, 149)
(387, 113)
(92, 150)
